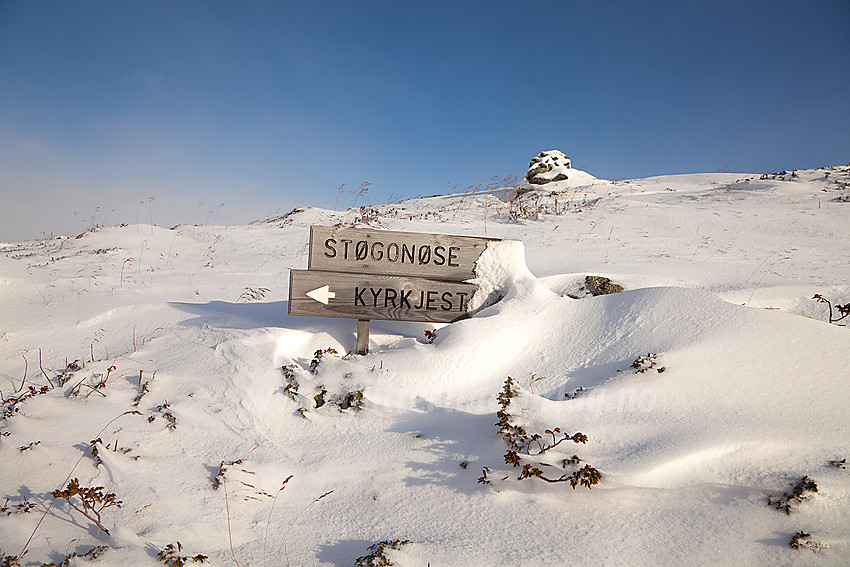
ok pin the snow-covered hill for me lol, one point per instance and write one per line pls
(161, 365)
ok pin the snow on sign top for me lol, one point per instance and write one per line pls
(364, 251)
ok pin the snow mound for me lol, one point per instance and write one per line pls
(696, 407)
(499, 271)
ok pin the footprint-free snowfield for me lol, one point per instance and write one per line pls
(711, 397)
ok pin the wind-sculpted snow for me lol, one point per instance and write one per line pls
(710, 384)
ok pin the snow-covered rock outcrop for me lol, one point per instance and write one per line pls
(548, 166)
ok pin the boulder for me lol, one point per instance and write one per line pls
(600, 285)
(592, 286)
(547, 167)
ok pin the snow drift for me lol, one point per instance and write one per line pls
(192, 400)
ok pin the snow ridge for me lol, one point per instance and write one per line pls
(711, 383)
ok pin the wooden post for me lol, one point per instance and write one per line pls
(362, 336)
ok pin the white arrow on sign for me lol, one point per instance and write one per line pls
(321, 294)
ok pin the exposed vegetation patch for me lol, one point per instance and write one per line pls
(29, 447)
(170, 555)
(12, 405)
(144, 388)
(576, 393)
(802, 491)
(89, 555)
(290, 387)
(222, 471)
(317, 358)
(523, 445)
(646, 363)
(89, 502)
(840, 312)
(802, 540)
(23, 507)
(165, 410)
(378, 557)
(351, 400)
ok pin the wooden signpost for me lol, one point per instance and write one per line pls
(364, 251)
(375, 296)
(386, 275)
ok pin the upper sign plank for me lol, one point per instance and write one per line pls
(365, 251)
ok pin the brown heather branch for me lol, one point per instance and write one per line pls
(93, 500)
(49, 506)
(844, 310)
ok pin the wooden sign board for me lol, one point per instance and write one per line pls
(320, 293)
(365, 251)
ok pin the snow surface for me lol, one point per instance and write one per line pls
(719, 271)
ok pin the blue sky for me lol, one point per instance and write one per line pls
(263, 106)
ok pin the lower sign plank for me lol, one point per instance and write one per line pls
(366, 296)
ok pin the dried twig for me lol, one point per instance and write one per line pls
(42, 370)
(248, 294)
(268, 521)
(292, 523)
(229, 534)
(24, 379)
(222, 421)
